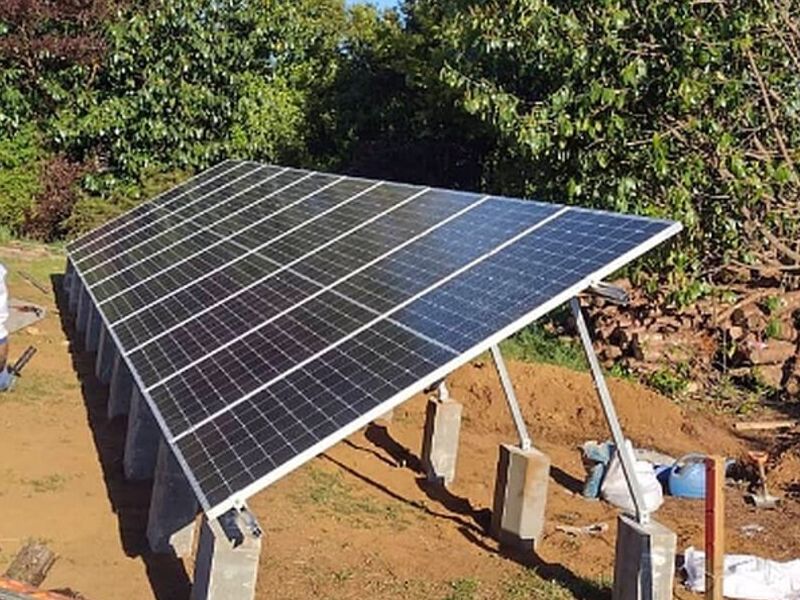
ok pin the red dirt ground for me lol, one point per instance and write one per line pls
(353, 524)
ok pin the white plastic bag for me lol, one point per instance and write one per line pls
(615, 489)
(746, 577)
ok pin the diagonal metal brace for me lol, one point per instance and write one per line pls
(625, 454)
(511, 398)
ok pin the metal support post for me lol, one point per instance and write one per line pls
(625, 454)
(511, 398)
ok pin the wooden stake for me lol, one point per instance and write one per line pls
(715, 526)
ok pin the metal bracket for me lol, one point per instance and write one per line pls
(237, 523)
(612, 293)
(625, 454)
(511, 398)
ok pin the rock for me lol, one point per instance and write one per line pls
(785, 331)
(735, 332)
(772, 352)
(772, 375)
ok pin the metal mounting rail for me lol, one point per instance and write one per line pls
(511, 398)
(626, 456)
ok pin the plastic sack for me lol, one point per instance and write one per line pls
(746, 577)
(615, 489)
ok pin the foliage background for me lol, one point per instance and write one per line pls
(676, 108)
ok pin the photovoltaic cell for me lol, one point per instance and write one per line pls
(160, 220)
(80, 247)
(268, 312)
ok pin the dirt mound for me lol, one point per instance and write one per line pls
(566, 410)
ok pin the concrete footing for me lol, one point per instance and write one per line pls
(75, 286)
(94, 327)
(520, 496)
(141, 441)
(69, 277)
(120, 388)
(106, 356)
(440, 440)
(222, 570)
(644, 567)
(173, 508)
(83, 311)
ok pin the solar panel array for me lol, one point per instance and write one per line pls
(266, 312)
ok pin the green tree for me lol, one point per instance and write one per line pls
(189, 82)
(676, 108)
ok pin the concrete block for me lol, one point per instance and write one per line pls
(173, 508)
(106, 355)
(74, 293)
(141, 441)
(644, 567)
(440, 440)
(520, 497)
(222, 571)
(121, 388)
(83, 311)
(69, 277)
(94, 327)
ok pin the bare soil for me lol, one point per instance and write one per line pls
(358, 521)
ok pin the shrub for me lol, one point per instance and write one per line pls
(680, 109)
(20, 166)
(57, 194)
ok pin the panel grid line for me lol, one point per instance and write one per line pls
(311, 297)
(187, 221)
(205, 228)
(249, 252)
(167, 215)
(150, 207)
(222, 238)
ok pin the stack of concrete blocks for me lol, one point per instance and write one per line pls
(223, 569)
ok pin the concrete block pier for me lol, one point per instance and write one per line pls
(520, 496)
(173, 508)
(644, 566)
(440, 440)
(141, 441)
(225, 568)
(120, 388)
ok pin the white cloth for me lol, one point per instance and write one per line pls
(746, 577)
(3, 304)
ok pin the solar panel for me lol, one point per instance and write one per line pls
(266, 313)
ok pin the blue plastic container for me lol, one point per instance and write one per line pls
(687, 477)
